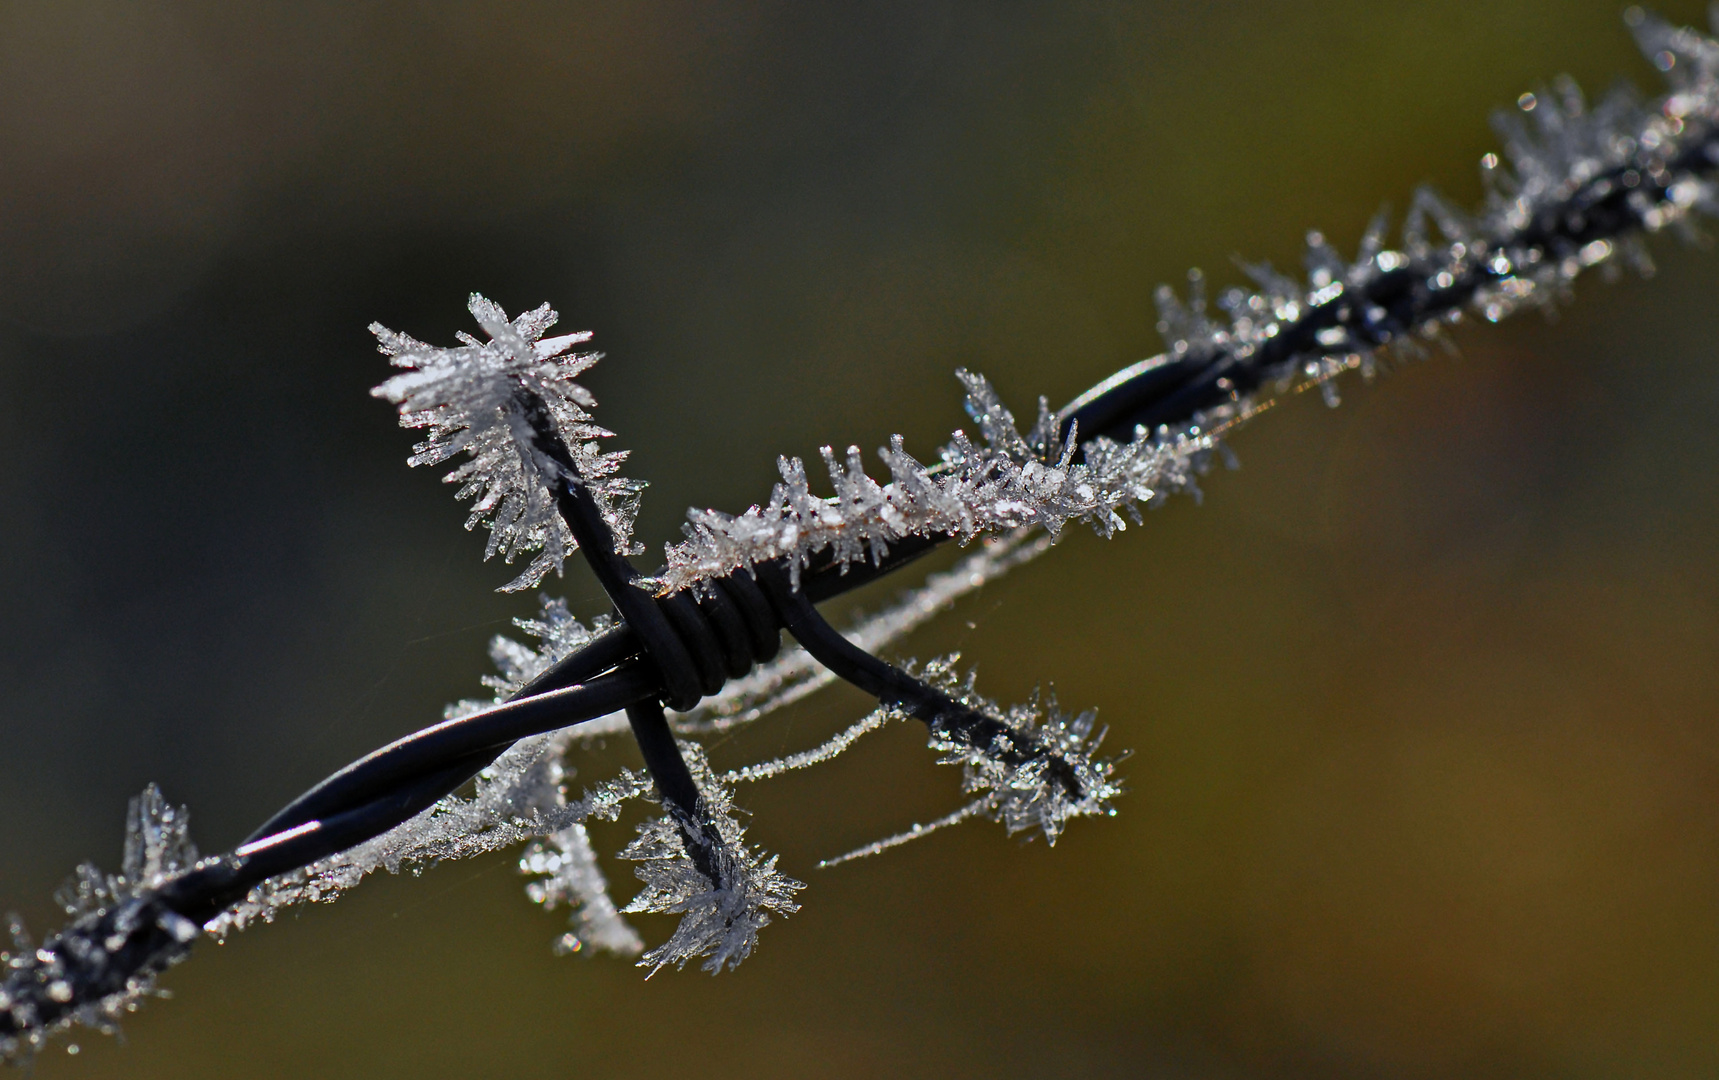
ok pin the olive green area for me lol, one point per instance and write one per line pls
(1422, 699)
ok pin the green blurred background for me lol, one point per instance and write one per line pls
(1421, 699)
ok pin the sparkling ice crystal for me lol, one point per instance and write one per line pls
(1012, 481)
(1575, 187)
(105, 961)
(720, 919)
(470, 399)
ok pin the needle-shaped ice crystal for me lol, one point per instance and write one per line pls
(1058, 779)
(1041, 772)
(566, 869)
(1010, 482)
(104, 962)
(720, 918)
(476, 398)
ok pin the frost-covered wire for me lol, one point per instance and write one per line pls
(1046, 790)
(474, 399)
(1576, 187)
(1011, 481)
(722, 911)
(122, 935)
(913, 832)
(817, 755)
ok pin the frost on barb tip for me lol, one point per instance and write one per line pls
(720, 919)
(1040, 771)
(1058, 779)
(104, 962)
(474, 399)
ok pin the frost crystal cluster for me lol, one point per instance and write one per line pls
(1576, 187)
(1060, 781)
(1013, 481)
(100, 966)
(475, 399)
(721, 914)
(1057, 779)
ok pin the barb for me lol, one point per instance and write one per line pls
(470, 399)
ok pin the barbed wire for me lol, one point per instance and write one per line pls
(1578, 187)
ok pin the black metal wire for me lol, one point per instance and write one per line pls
(692, 645)
(673, 650)
(1383, 309)
(675, 784)
(891, 685)
(489, 731)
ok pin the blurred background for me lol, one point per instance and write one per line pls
(1422, 699)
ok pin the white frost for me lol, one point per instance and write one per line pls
(1013, 481)
(1061, 779)
(103, 963)
(469, 398)
(720, 919)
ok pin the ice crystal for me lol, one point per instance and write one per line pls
(477, 398)
(570, 875)
(914, 832)
(559, 634)
(1038, 774)
(805, 759)
(1013, 481)
(102, 964)
(720, 917)
(1058, 780)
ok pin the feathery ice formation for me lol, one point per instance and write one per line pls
(475, 398)
(103, 963)
(1576, 187)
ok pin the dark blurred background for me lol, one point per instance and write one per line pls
(1422, 699)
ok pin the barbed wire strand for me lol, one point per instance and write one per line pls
(674, 649)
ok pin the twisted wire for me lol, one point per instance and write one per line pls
(673, 650)
(693, 644)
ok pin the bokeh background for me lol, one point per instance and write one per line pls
(1422, 699)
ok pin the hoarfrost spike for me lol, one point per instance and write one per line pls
(474, 399)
